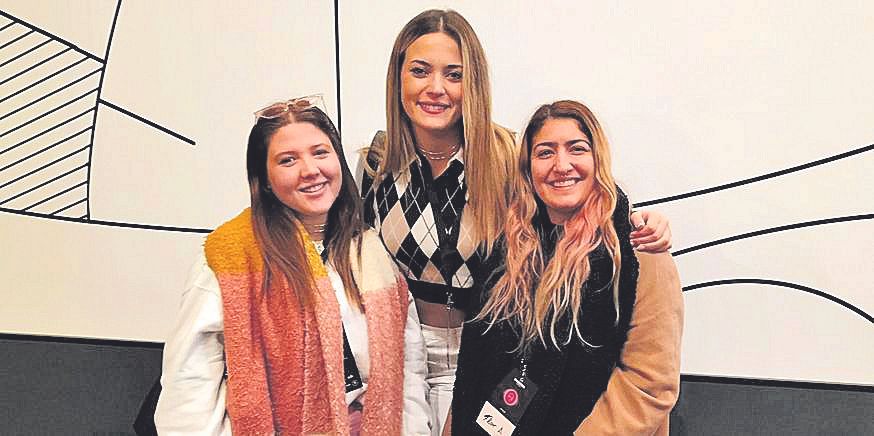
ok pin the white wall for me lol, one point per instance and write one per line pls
(693, 95)
(198, 68)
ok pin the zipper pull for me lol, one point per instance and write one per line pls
(449, 303)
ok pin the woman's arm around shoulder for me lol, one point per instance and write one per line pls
(652, 232)
(646, 381)
(193, 388)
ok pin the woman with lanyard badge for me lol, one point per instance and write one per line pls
(581, 334)
(437, 186)
(295, 319)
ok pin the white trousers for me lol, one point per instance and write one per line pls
(442, 345)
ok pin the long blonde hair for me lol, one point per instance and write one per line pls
(534, 294)
(488, 148)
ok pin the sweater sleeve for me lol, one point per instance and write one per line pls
(192, 399)
(645, 384)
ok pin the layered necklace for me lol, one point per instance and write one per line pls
(317, 230)
(440, 155)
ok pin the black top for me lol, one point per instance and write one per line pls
(570, 379)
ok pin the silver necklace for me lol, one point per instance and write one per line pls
(440, 155)
(316, 229)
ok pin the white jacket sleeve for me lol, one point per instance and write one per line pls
(416, 409)
(192, 397)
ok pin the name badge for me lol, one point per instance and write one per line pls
(507, 403)
(494, 422)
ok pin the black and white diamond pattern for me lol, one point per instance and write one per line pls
(422, 223)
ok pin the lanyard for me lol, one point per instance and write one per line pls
(351, 376)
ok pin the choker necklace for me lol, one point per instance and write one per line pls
(317, 229)
(440, 155)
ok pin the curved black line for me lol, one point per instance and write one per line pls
(97, 109)
(56, 38)
(782, 228)
(783, 284)
(337, 63)
(757, 178)
(84, 220)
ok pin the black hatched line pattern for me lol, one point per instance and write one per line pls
(48, 98)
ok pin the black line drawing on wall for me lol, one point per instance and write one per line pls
(759, 178)
(778, 283)
(47, 80)
(766, 282)
(782, 284)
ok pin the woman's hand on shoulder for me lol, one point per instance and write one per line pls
(652, 232)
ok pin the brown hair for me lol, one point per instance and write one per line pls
(488, 148)
(276, 226)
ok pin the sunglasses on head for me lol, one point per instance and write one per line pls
(298, 104)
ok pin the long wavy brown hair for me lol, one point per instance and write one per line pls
(488, 148)
(277, 228)
(535, 293)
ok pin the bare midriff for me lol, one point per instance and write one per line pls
(438, 315)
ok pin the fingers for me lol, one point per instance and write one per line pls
(647, 239)
(653, 232)
(661, 244)
(637, 220)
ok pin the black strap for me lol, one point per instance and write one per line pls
(437, 293)
(350, 368)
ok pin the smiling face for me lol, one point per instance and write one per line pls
(562, 167)
(304, 171)
(431, 91)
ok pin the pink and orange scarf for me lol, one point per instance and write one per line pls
(285, 361)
